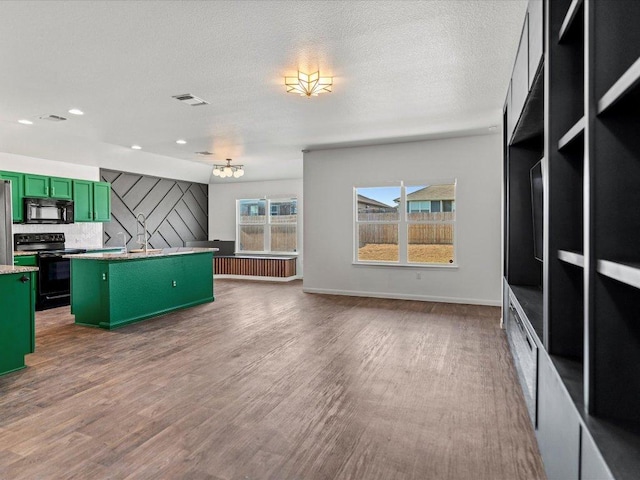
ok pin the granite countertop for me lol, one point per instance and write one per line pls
(20, 254)
(9, 269)
(153, 253)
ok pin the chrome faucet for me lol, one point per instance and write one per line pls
(142, 235)
(124, 241)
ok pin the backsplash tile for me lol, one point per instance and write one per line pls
(79, 235)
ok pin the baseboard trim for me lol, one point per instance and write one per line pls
(255, 277)
(399, 296)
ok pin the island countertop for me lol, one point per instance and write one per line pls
(151, 253)
(9, 269)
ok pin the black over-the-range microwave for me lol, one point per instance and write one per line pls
(48, 210)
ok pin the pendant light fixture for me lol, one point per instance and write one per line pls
(228, 170)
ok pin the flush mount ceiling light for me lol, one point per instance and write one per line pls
(136, 147)
(76, 111)
(308, 85)
(181, 142)
(224, 171)
(25, 122)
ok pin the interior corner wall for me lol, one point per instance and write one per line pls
(222, 206)
(329, 179)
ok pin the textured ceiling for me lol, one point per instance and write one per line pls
(401, 69)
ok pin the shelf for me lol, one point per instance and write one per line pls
(571, 257)
(625, 84)
(628, 272)
(531, 122)
(569, 18)
(571, 372)
(573, 133)
(530, 300)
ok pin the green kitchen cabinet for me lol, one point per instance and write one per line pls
(110, 292)
(25, 260)
(17, 193)
(92, 201)
(83, 200)
(47, 187)
(102, 202)
(17, 322)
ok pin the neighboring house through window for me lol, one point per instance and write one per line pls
(267, 225)
(405, 224)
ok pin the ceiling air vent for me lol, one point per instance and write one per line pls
(52, 118)
(190, 99)
(205, 153)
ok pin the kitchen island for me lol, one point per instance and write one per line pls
(111, 290)
(17, 322)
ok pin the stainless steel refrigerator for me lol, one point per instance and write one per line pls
(6, 225)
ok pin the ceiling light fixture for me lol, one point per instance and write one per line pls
(76, 111)
(25, 122)
(224, 171)
(181, 142)
(308, 85)
(136, 147)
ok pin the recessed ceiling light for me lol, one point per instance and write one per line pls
(76, 111)
(25, 122)
(181, 142)
(136, 147)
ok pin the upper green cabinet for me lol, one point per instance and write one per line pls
(102, 202)
(47, 187)
(92, 201)
(17, 193)
(83, 200)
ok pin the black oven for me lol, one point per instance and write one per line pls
(54, 274)
(54, 280)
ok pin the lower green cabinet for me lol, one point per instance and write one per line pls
(92, 201)
(17, 322)
(25, 260)
(17, 193)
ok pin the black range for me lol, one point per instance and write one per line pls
(54, 275)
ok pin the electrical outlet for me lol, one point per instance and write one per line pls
(418, 276)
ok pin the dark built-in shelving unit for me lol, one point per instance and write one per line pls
(581, 117)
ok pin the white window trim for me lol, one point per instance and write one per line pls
(403, 232)
(267, 226)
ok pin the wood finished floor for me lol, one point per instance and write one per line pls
(271, 383)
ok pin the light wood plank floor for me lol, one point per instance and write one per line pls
(271, 383)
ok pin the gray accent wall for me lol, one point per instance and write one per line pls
(176, 211)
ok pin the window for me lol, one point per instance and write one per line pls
(405, 224)
(265, 233)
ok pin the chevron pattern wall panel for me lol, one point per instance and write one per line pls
(176, 211)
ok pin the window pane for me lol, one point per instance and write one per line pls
(379, 204)
(251, 237)
(284, 211)
(283, 238)
(252, 211)
(378, 242)
(436, 203)
(430, 243)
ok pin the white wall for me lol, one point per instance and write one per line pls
(329, 178)
(76, 234)
(222, 206)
